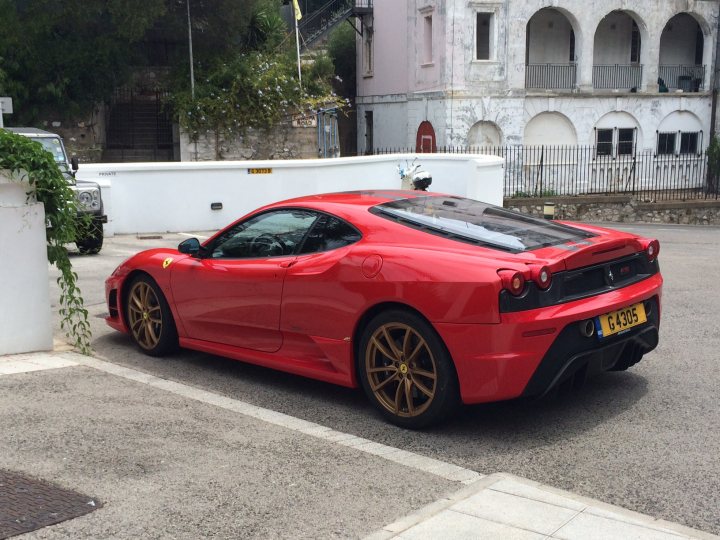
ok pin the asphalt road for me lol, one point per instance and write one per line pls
(646, 439)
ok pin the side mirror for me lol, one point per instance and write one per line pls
(74, 163)
(191, 246)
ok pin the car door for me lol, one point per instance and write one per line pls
(231, 294)
(318, 299)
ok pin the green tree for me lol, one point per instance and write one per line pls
(66, 56)
(255, 86)
(341, 48)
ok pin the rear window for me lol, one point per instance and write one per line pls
(474, 222)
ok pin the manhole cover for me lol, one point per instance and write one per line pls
(27, 504)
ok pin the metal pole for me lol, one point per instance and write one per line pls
(192, 69)
(297, 45)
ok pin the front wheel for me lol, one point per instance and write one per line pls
(406, 370)
(149, 317)
(92, 240)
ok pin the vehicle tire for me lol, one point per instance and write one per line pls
(149, 317)
(406, 371)
(92, 241)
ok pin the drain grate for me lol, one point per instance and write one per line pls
(27, 504)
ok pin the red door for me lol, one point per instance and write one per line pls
(232, 302)
(425, 141)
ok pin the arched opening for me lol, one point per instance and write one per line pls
(550, 128)
(550, 51)
(425, 140)
(484, 134)
(617, 52)
(682, 45)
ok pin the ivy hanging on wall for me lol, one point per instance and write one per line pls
(23, 157)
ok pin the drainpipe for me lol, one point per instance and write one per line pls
(714, 81)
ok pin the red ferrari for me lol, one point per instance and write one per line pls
(425, 300)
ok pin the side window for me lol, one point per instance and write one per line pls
(484, 36)
(329, 233)
(689, 142)
(666, 143)
(271, 234)
(626, 141)
(604, 142)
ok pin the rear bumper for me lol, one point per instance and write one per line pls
(529, 352)
(574, 355)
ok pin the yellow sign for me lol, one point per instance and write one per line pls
(167, 262)
(266, 170)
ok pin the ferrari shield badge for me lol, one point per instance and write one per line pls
(167, 262)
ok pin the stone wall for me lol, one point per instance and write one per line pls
(623, 209)
(84, 138)
(281, 142)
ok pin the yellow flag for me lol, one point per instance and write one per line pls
(298, 13)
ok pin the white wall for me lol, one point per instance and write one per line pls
(677, 44)
(175, 197)
(25, 318)
(549, 38)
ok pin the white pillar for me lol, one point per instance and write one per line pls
(25, 316)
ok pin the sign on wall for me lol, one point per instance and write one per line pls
(304, 121)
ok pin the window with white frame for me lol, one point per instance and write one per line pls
(615, 141)
(484, 36)
(427, 56)
(367, 50)
(689, 142)
(677, 142)
(666, 143)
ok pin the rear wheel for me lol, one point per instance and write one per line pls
(149, 318)
(406, 371)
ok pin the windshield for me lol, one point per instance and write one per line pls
(475, 222)
(55, 147)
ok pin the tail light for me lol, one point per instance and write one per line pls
(652, 250)
(512, 281)
(543, 277)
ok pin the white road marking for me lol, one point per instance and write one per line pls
(448, 471)
(25, 363)
(198, 236)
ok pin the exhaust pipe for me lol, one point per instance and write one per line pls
(587, 328)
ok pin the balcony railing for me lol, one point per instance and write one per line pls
(617, 76)
(551, 76)
(685, 78)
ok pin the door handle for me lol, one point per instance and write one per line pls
(287, 264)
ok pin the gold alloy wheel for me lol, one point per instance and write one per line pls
(144, 315)
(401, 369)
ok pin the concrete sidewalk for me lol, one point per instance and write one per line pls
(170, 460)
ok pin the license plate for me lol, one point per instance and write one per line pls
(622, 319)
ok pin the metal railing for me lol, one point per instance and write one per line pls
(547, 171)
(617, 76)
(315, 24)
(551, 76)
(685, 78)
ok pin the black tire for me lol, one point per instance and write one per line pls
(406, 371)
(92, 241)
(149, 318)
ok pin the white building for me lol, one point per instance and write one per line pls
(620, 75)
